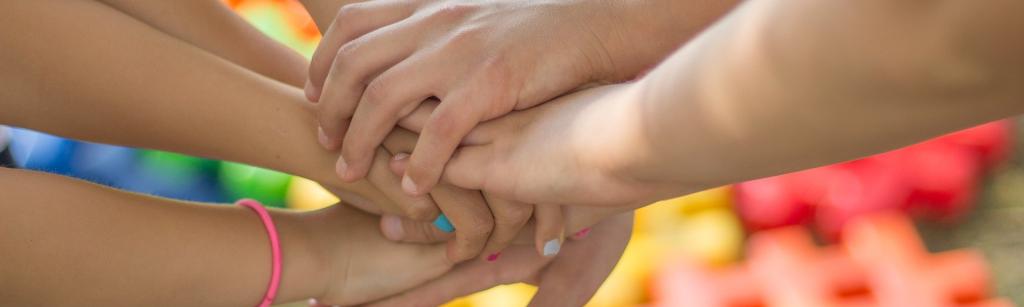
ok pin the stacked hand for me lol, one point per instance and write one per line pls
(470, 78)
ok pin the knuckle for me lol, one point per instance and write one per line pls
(348, 13)
(465, 38)
(514, 218)
(480, 228)
(419, 213)
(348, 51)
(451, 11)
(377, 91)
(445, 124)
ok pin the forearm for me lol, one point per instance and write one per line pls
(68, 242)
(211, 26)
(779, 86)
(142, 88)
(656, 29)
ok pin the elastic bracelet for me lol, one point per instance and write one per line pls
(275, 249)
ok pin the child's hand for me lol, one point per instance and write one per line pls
(567, 280)
(482, 222)
(482, 59)
(363, 265)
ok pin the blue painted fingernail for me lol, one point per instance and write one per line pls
(443, 224)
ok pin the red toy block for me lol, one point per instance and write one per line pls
(882, 262)
(769, 203)
(991, 142)
(943, 180)
(936, 179)
(866, 186)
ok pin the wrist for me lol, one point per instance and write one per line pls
(654, 29)
(304, 261)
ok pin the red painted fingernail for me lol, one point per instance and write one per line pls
(493, 257)
(582, 233)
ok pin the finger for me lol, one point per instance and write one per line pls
(417, 119)
(465, 171)
(355, 63)
(471, 216)
(575, 275)
(470, 277)
(472, 219)
(352, 21)
(449, 123)
(420, 208)
(550, 229)
(390, 96)
(509, 219)
(399, 229)
(484, 133)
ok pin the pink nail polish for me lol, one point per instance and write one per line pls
(493, 257)
(582, 233)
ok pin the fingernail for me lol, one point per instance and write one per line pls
(341, 167)
(391, 226)
(552, 247)
(311, 92)
(322, 137)
(443, 224)
(312, 302)
(409, 186)
(581, 234)
(400, 156)
(493, 257)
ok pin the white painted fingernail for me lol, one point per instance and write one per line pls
(552, 247)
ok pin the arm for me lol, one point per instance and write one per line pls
(210, 25)
(142, 88)
(786, 85)
(69, 242)
(169, 95)
(776, 86)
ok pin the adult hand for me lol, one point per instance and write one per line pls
(570, 150)
(482, 59)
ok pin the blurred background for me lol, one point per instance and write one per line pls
(834, 235)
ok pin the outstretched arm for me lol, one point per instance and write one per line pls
(776, 86)
(212, 26)
(70, 242)
(143, 88)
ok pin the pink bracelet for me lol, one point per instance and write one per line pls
(275, 249)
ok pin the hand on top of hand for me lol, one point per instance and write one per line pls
(380, 59)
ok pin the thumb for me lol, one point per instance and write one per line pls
(399, 229)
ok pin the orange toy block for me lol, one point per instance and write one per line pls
(882, 262)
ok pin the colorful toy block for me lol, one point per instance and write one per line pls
(881, 262)
(936, 179)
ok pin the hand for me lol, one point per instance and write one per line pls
(482, 59)
(567, 280)
(571, 150)
(361, 264)
(476, 230)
